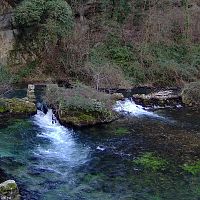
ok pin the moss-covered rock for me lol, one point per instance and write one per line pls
(191, 94)
(80, 105)
(121, 131)
(82, 118)
(192, 168)
(150, 161)
(9, 190)
(17, 106)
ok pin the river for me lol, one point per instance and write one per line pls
(49, 161)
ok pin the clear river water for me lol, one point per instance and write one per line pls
(52, 162)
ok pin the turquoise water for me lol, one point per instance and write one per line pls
(49, 161)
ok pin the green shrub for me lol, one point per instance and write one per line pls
(80, 98)
(191, 94)
(30, 12)
(48, 21)
(155, 64)
(149, 161)
(117, 9)
(170, 64)
(121, 55)
(85, 98)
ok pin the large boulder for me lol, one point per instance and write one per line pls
(81, 105)
(191, 94)
(17, 106)
(9, 190)
(81, 118)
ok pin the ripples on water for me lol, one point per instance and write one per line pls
(50, 161)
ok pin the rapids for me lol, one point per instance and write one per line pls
(50, 161)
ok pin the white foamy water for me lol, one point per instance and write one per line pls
(61, 144)
(129, 107)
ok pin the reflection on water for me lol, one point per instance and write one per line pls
(50, 162)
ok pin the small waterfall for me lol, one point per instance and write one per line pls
(61, 143)
(128, 107)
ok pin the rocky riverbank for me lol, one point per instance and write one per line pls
(82, 118)
(16, 106)
(160, 98)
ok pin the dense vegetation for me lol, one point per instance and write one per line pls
(48, 21)
(191, 94)
(80, 105)
(80, 97)
(142, 42)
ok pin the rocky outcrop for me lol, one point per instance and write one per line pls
(161, 98)
(9, 191)
(80, 106)
(17, 106)
(7, 32)
(82, 118)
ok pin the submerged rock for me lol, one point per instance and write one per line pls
(17, 106)
(9, 190)
(161, 98)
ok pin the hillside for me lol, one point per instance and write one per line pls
(140, 42)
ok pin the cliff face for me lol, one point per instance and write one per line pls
(7, 31)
